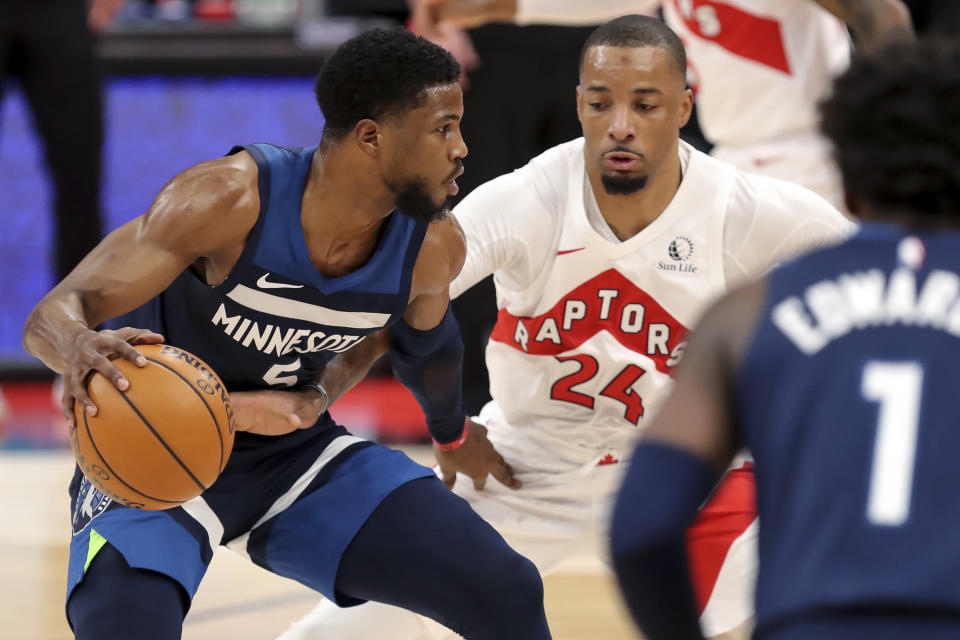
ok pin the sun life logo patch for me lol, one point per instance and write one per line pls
(680, 249)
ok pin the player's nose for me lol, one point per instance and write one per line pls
(621, 127)
(460, 150)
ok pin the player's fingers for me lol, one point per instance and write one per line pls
(111, 343)
(295, 421)
(125, 351)
(449, 477)
(79, 393)
(145, 336)
(479, 482)
(132, 335)
(504, 473)
(66, 406)
(105, 366)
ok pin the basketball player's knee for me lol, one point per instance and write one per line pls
(526, 585)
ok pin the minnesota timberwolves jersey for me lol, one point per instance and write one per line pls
(276, 321)
(848, 400)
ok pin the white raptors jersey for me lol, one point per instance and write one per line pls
(590, 328)
(759, 67)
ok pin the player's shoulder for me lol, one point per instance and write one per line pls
(771, 202)
(564, 156)
(442, 254)
(547, 175)
(766, 193)
(213, 199)
(228, 178)
(534, 192)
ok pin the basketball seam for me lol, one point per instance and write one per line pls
(115, 474)
(216, 423)
(162, 441)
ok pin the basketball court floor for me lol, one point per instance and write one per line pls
(237, 600)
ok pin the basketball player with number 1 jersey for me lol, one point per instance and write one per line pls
(604, 251)
(838, 371)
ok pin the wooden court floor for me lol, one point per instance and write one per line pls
(237, 600)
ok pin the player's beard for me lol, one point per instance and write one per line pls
(622, 185)
(414, 200)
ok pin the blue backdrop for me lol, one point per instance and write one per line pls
(155, 127)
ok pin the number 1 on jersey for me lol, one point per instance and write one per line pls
(897, 387)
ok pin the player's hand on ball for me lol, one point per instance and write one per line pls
(93, 352)
(476, 458)
(274, 413)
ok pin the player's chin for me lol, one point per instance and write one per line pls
(443, 200)
(443, 208)
(623, 182)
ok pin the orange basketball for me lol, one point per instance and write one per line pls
(162, 441)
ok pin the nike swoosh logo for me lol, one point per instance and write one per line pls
(263, 283)
(566, 251)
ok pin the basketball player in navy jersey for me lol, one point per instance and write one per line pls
(838, 372)
(267, 264)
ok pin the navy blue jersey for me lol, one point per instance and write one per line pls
(848, 399)
(276, 321)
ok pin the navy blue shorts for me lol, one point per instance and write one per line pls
(291, 503)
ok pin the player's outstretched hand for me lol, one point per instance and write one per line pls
(93, 352)
(476, 458)
(274, 413)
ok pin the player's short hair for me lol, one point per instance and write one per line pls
(638, 31)
(379, 73)
(894, 119)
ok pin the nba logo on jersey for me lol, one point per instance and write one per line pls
(91, 502)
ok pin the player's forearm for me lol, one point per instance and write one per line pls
(53, 325)
(660, 494)
(873, 21)
(350, 367)
(430, 364)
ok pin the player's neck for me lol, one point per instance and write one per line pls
(630, 214)
(341, 214)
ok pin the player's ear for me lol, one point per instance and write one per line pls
(686, 107)
(580, 103)
(368, 135)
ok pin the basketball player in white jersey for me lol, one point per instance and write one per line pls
(604, 250)
(758, 67)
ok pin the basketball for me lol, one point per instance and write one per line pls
(162, 441)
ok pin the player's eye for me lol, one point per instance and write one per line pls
(598, 106)
(445, 129)
(646, 107)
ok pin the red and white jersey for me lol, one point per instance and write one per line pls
(590, 328)
(759, 66)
